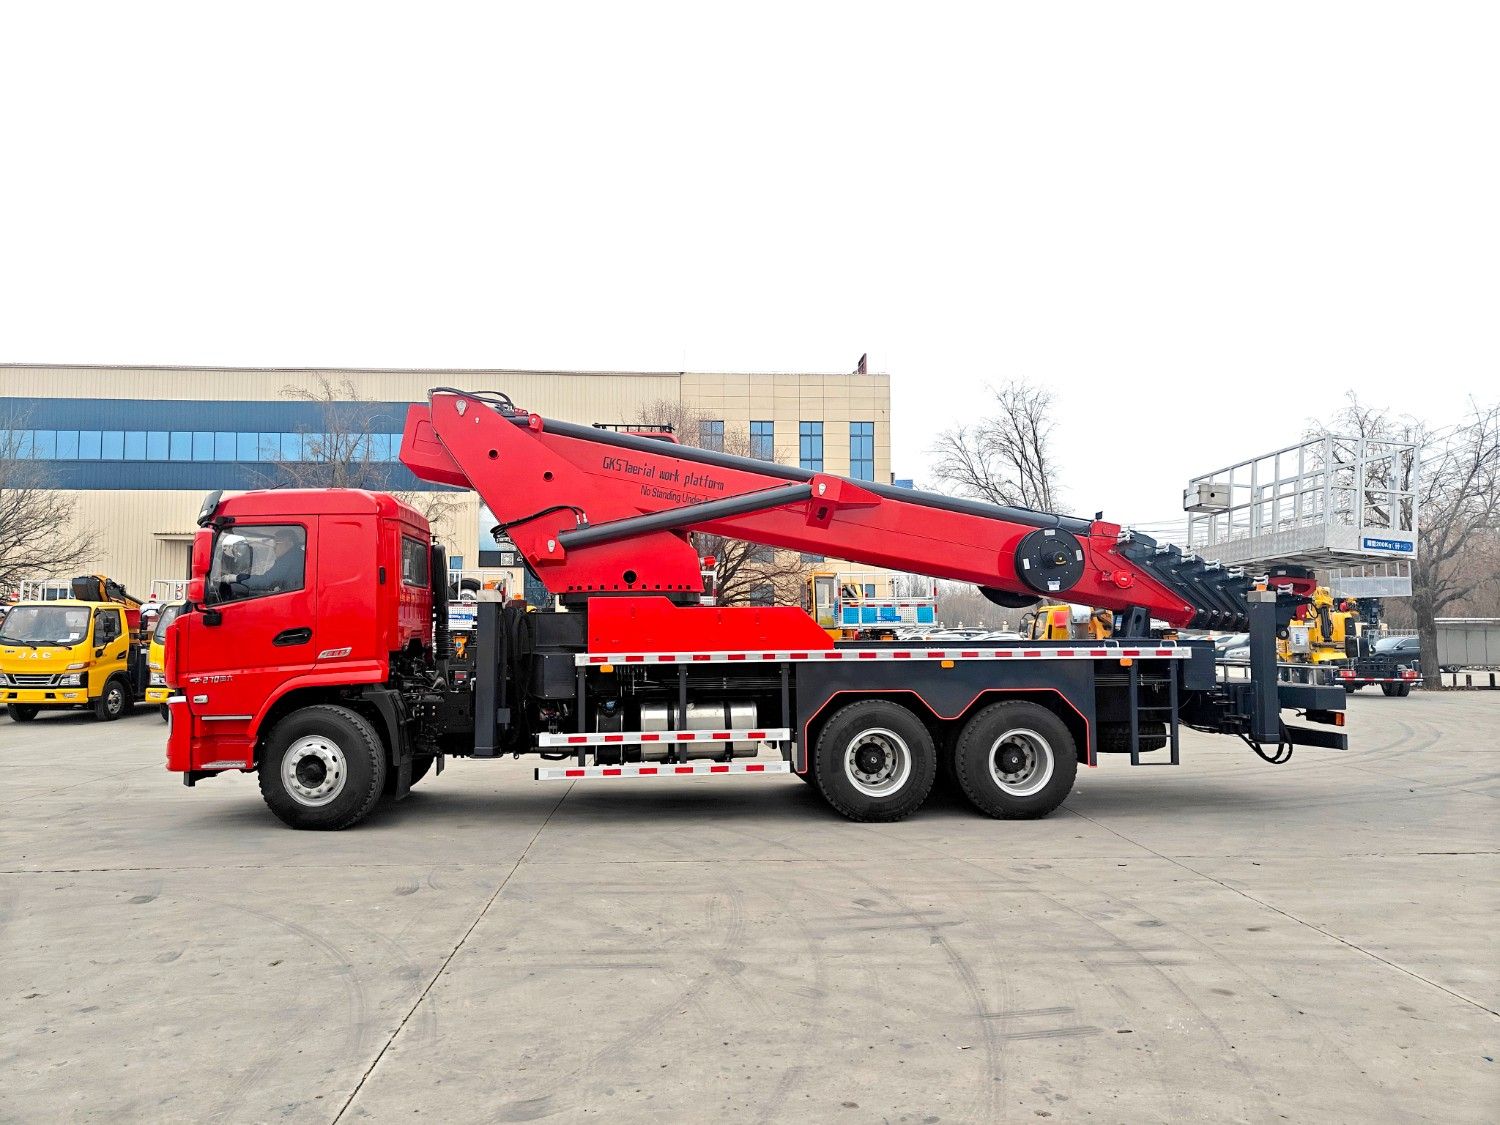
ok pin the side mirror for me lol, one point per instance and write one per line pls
(203, 552)
(195, 591)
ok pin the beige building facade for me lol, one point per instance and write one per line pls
(135, 449)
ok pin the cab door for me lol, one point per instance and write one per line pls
(111, 649)
(258, 625)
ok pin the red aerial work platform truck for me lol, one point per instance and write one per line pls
(314, 649)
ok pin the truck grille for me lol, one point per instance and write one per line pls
(32, 681)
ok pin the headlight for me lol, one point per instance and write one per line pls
(75, 680)
(4, 679)
(158, 680)
(76, 667)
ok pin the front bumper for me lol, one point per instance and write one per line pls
(46, 697)
(158, 694)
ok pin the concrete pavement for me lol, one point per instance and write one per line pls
(1223, 941)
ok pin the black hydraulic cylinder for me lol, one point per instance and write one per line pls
(1265, 690)
(489, 661)
(762, 500)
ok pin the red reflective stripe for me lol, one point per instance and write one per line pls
(968, 655)
(667, 656)
(614, 738)
(682, 769)
(574, 739)
(901, 655)
(1064, 652)
(737, 655)
(650, 738)
(610, 772)
(634, 659)
(720, 734)
(799, 656)
(1004, 654)
(598, 660)
(573, 773)
(867, 655)
(756, 735)
(647, 770)
(1032, 652)
(1130, 652)
(833, 656)
(718, 769)
(755, 767)
(701, 656)
(685, 736)
(768, 656)
(937, 655)
(1098, 652)
(1163, 652)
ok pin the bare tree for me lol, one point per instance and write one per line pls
(1459, 509)
(1457, 482)
(341, 451)
(37, 536)
(1006, 457)
(744, 572)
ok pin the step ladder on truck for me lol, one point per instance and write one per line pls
(336, 683)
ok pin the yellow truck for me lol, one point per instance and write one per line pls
(157, 690)
(73, 652)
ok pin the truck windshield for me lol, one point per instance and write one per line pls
(46, 625)
(168, 615)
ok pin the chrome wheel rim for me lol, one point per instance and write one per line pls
(1021, 762)
(114, 699)
(314, 770)
(877, 762)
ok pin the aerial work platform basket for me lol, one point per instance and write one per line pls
(1330, 502)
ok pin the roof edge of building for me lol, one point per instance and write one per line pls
(410, 370)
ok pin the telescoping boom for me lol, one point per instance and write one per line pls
(630, 677)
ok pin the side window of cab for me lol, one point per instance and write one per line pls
(107, 627)
(255, 561)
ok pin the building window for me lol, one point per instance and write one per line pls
(711, 436)
(862, 450)
(811, 558)
(157, 445)
(203, 445)
(759, 553)
(67, 445)
(113, 447)
(246, 447)
(810, 445)
(188, 445)
(763, 440)
(90, 444)
(762, 593)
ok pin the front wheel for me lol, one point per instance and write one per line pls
(113, 701)
(1016, 761)
(875, 761)
(323, 768)
(22, 712)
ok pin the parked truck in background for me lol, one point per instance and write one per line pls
(314, 647)
(83, 651)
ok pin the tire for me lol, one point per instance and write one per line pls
(875, 761)
(1403, 690)
(1114, 738)
(113, 701)
(323, 769)
(21, 712)
(1350, 689)
(165, 712)
(1027, 737)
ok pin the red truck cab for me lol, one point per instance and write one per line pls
(299, 597)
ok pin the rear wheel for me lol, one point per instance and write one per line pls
(875, 761)
(22, 712)
(323, 769)
(1350, 689)
(1016, 761)
(113, 701)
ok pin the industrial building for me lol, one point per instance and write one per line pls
(138, 447)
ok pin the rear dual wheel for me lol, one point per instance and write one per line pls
(1015, 761)
(875, 761)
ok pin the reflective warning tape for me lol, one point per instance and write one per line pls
(851, 655)
(632, 738)
(665, 769)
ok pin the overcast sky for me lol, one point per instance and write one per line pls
(1198, 223)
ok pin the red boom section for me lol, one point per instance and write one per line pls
(549, 483)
